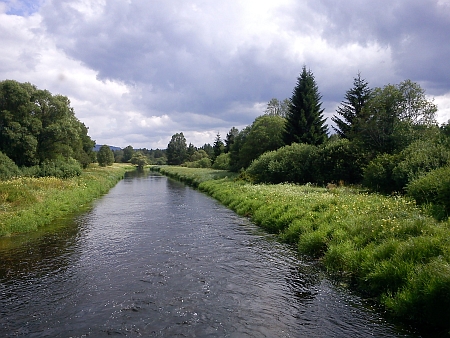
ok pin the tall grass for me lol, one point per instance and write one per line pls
(385, 247)
(29, 203)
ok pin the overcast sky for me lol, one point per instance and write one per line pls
(139, 71)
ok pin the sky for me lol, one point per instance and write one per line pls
(139, 71)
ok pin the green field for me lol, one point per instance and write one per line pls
(385, 247)
(27, 204)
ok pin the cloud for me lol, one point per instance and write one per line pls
(139, 71)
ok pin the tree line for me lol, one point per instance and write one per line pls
(386, 139)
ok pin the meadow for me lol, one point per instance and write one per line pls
(28, 203)
(385, 247)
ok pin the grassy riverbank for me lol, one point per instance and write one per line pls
(29, 203)
(385, 247)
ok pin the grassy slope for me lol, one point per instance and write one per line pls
(384, 246)
(29, 203)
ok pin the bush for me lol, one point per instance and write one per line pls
(202, 163)
(222, 162)
(8, 169)
(433, 188)
(389, 173)
(291, 163)
(336, 161)
(378, 174)
(418, 159)
(59, 168)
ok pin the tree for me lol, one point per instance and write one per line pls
(19, 126)
(305, 121)
(105, 156)
(139, 160)
(350, 109)
(393, 118)
(208, 149)
(177, 149)
(265, 134)
(230, 139)
(128, 153)
(190, 151)
(218, 147)
(276, 107)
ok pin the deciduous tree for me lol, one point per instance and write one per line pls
(177, 149)
(105, 156)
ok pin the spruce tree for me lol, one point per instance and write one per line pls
(305, 121)
(350, 109)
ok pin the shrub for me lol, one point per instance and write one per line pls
(433, 188)
(202, 163)
(222, 162)
(8, 169)
(336, 161)
(378, 174)
(288, 164)
(59, 168)
(417, 159)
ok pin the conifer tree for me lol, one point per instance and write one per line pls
(305, 121)
(350, 109)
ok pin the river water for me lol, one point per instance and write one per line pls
(154, 258)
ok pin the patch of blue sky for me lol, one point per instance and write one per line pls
(22, 7)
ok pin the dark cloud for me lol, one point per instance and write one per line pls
(142, 70)
(416, 31)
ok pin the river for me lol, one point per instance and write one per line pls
(154, 258)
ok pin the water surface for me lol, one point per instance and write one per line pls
(156, 258)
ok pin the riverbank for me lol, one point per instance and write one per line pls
(384, 247)
(27, 204)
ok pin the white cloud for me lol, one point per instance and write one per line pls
(140, 71)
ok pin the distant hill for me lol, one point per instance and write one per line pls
(97, 147)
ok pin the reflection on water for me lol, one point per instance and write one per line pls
(156, 258)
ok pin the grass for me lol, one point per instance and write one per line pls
(27, 204)
(385, 247)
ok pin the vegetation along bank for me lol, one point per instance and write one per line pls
(385, 247)
(27, 203)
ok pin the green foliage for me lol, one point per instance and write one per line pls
(229, 140)
(38, 126)
(59, 168)
(388, 173)
(388, 121)
(204, 162)
(291, 163)
(305, 122)
(139, 160)
(336, 161)
(351, 109)
(222, 162)
(265, 134)
(105, 156)
(128, 153)
(378, 174)
(28, 203)
(19, 125)
(433, 188)
(177, 149)
(8, 169)
(218, 147)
